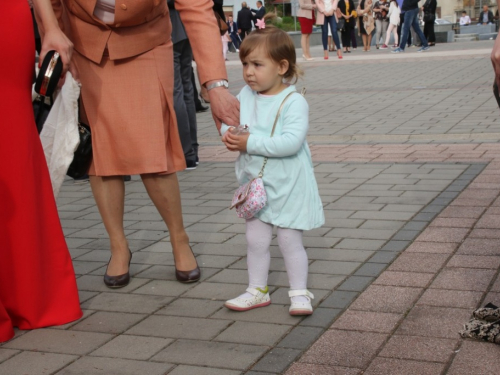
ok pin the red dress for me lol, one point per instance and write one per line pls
(37, 281)
(306, 24)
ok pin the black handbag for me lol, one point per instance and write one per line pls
(341, 24)
(45, 85)
(429, 17)
(41, 109)
(79, 167)
(49, 74)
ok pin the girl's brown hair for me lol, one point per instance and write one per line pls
(277, 44)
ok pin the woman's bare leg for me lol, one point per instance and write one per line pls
(109, 194)
(303, 44)
(165, 193)
(308, 45)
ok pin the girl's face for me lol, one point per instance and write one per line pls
(263, 74)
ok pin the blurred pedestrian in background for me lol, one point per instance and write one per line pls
(429, 10)
(307, 19)
(366, 23)
(326, 16)
(349, 14)
(381, 11)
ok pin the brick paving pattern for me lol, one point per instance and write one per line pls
(407, 160)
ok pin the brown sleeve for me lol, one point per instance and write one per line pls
(203, 33)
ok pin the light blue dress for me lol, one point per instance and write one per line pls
(292, 191)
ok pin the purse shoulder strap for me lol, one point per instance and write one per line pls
(261, 173)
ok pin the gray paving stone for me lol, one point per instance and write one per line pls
(208, 227)
(35, 363)
(109, 366)
(339, 254)
(425, 216)
(231, 276)
(132, 347)
(323, 242)
(220, 249)
(215, 261)
(163, 288)
(355, 283)
(360, 244)
(277, 360)
(382, 215)
(140, 304)
(300, 338)
(406, 235)
(253, 333)
(212, 354)
(339, 299)
(321, 317)
(432, 207)
(108, 322)
(370, 269)
(103, 244)
(382, 224)
(59, 341)
(195, 370)
(179, 327)
(7, 353)
(415, 225)
(384, 257)
(197, 308)
(333, 267)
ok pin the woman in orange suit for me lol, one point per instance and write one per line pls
(37, 281)
(124, 59)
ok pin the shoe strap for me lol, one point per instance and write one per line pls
(257, 291)
(300, 292)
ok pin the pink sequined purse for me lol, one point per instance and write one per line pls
(251, 197)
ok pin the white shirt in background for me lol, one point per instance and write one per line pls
(465, 20)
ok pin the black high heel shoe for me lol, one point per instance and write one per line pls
(188, 276)
(119, 281)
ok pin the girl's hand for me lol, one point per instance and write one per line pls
(236, 142)
(224, 137)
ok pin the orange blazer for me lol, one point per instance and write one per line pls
(141, 25)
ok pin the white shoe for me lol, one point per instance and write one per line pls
(301, 308)
(259, 298)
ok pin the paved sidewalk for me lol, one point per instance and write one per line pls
(407, 158)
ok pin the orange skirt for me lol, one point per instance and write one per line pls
(129, 106)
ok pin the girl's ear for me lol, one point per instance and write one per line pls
(283, 67)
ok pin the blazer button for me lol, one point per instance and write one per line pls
(124, 6)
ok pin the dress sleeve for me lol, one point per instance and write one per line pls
(295, 125)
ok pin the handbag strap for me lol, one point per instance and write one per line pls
(261, 173)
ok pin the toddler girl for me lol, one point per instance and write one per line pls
(393, 14)
(294, 205)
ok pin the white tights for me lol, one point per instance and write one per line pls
(394, 29)
(259, 235)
